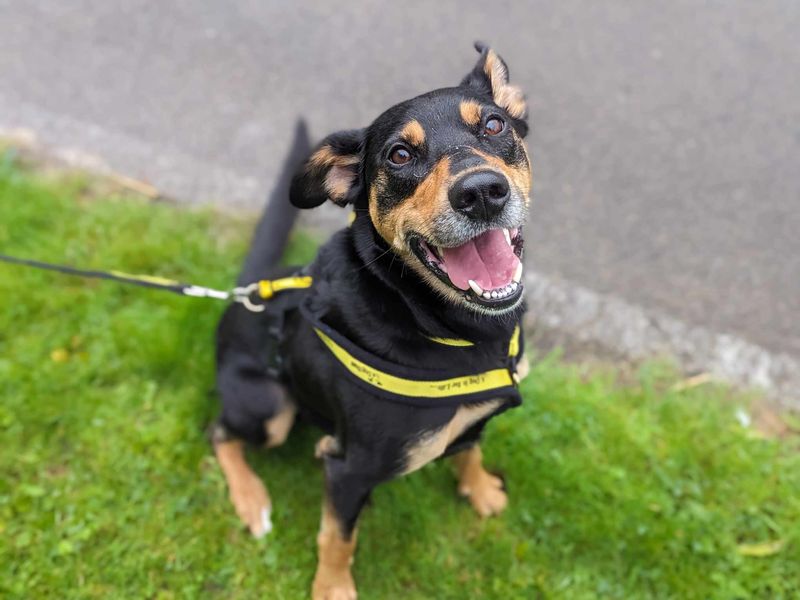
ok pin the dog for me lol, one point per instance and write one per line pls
(401, 339)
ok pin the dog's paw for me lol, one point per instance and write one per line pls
(330, 584)
(485, 493)
(252, 504)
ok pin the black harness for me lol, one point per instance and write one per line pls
(495, 379)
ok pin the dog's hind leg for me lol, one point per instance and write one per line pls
(247, 492)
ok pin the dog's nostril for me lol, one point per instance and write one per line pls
(498, 190)
(469, 198)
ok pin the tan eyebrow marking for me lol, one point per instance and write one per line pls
(470, 112)
(413, 133)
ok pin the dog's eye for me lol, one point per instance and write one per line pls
(399, 155)
(493, 126)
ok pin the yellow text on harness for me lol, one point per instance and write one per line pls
(442, 388)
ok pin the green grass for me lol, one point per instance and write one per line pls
(619, 489)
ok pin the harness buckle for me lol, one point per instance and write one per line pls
(244, 295)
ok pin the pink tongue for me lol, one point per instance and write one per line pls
(487, 259)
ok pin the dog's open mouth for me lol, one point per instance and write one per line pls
(487, 268)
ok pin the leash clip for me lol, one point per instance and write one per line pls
(244, 295)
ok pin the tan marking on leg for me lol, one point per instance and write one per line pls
(333, 580)
(279, 426)
(484, 490)
(413, 133)
(432, 445)
(247, 492)
(326, 445)
(523, 367)
(470, 112)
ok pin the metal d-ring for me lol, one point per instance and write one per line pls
(243, 295)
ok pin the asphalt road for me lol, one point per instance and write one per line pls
(665, 136)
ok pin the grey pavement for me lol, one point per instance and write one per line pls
(665, 136)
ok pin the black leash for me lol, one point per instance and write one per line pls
(245, 295)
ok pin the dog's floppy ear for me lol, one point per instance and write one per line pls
(332, 172)
(490, 76)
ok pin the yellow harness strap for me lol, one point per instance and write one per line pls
(268, 288)
(459, 343)
(442, 388)
(513, 344)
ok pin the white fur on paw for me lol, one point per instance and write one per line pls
(266, 523)
(253, 505)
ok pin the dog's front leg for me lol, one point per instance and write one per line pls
(484, 490)
(346, 493)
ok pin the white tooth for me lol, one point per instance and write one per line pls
(514, 285)
(487, 295)
(494, 295)
(507, 235)
(475, 287)
(518, 273)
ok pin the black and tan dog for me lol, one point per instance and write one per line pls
(407, 341)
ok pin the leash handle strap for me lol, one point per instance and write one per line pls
(148, 281)
(263, 289)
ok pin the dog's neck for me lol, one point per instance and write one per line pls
(424, 309)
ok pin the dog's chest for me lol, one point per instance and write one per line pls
(432, 444)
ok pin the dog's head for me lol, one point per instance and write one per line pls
(445, 179)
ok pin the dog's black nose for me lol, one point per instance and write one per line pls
(480, 195)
